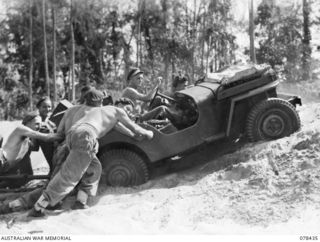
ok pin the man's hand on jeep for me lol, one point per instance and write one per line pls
(147, 134)
(138, 137)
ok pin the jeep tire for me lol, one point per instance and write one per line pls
(272, 119)
(123, 168)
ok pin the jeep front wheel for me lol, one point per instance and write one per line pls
(123, 168)
(272, 119)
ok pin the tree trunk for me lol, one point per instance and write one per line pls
(251, 34)
(194, 27)
(138, 32)
(101, 66)
(216, 54)
(148, 41)
(141, 45)
(166, 54)
(203, 41)
(54, 55)
(173, 67)
(114, 54)
(126, 58)
(187, 22)
(46, 69)
(208, 52)
(306, 52)
(30, 56)
(73, 90)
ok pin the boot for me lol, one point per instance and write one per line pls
(79, 205)
(5, 209)
(36, 213)
(58, 206)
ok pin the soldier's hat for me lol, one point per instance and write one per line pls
(133, 72)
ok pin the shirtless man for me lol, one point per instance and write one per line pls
(83, 125)
(18, 142)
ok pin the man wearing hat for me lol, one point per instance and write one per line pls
(135, 77)
(134, 80)
(83, 125)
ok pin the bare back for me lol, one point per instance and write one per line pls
(102, 118)
(71, 116)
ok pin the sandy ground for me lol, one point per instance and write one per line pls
(246, 197)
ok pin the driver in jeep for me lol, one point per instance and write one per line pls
(135, 78)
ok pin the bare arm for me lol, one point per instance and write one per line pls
(153, 91)
(151, 94)
(47, 127)
(123, 130)
(133, 94)
(25, 131)
(128, 123)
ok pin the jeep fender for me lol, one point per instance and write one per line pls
(249, 94)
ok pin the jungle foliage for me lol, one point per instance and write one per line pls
(106, 38)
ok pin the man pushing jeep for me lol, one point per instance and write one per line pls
(82, 126)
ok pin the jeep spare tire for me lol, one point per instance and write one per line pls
(272, 119)
(123, 168)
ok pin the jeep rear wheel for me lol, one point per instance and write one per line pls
(123, 168)
(272, 119)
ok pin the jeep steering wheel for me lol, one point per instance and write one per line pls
(153, 98)
(157, 93)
